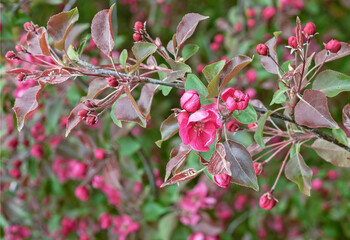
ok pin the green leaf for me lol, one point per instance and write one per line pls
(189, 50)
(194, 83)
(142, 50)
(211, 177)
(72, 54)
(115, 120)
(331, 83)
(83, 44)
(54, 222)
(128, 146)
(167, 225)
(340, 135)
(122, 59)
(162, 75)
(279, 97)
(297, 171)
(246, 116)
(54, 110)
(258, 135)
(212, 71)
(152, 211)
(33, 167)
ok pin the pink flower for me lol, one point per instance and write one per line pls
(98, 182)
(124, 225)
(235, 99)
(258, 167)
(38, 132)
(219, 38)
(222, 180)
(240, 201)
(333, 46)
(197, 236)
(332, 174)
(37, 151)
(197, 198)
(267, 201)
(189, 217)
(199, 129)
(251, 92)
(251, 75)
(78, 169)
(268, 12)
(317, 184)
(190, 101)
(82, 193)
(16, 232)
(100, 154)
(112, 194)
(223, 211)
(105, 220)
(67, 226)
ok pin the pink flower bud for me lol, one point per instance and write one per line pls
(333, 46)
(310, 29)
(258, 168)
(268, 12)
(37, 151)
(10, 55)
(137, 37)
(15, 173)
(231, 126)
(63, 121)
(214, 46)
(200, 68)
(19, 48)
(251, 92)
(262, 49)
(252, 126)
(250, 12)
(267, 201)
(251, 75)
(105, 220)
(82, 114)
(100, 154)
(332, 174)
(112, 82)
(91, 120)
(219, 38)
(292, 41)
(317, 184)
(84, 237)
(17, 163)
(21, 77)
(222, 180)
(12, 143)
(235, 99)
(78, 169)
(89, 104)
(28, 26)
(38, 132)
(98, 181)
(138, 26)
(238, 27)
(82, 193)
(251, 23)
(190, 101)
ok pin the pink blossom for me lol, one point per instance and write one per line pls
(251, 75)
(112, 194)
(199, 129)
(124, 226)
(215, 47)
(37, 151)
(38, 132)
(68, 225)
(235, 99)
(16, 232)
(189, 217)
(99, 154)
(240, 202)
(197, 236)
(82, 193)
(222, 180)
(251, 92)
(268, 12)
(223, 211)
(78, 169)
(317, 184)
(105, 220)
(98, 182)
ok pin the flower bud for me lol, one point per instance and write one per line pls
(251, 75)
(83, 114)
(267, 201)
(21, 77)
(262, 49)
(15, 173)
(219, 38)
(333, 46)
(251, 23)
(112, 82)
(82, 193)
(317, 184)
(190, 101)
(17, 163)
(310, 29)
(99, 154)
(214, 46)
(238, 27)
(250, 12)
(258, 168)
(231, 126)
(332, 174)
(37, 151)
(292, 41)
(268, 12)
(28, 26)
(137, 37)
(13, 143)
(89, 104)
(19, 48)
(98, 181)
(78, 169)
(91, 120)
(105, 220)
(222, 180)
(10, 55)
(138, 26)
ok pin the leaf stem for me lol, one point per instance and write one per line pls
(282, 167)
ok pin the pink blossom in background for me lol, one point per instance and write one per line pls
(124, 225)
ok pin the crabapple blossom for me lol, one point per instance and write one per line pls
(82, 193)
(268, 12)
(190, 101)
(105, 220)
(235, 99)
(333, 46)
(310, 29)
(267, 201)
(99, 154)
(222, 180)
(262, 49)
(292, 41)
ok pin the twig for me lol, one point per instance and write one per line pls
(17, 6)
(149, 172)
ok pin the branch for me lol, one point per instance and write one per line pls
(316, 131)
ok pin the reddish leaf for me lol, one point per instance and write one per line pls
(73, 119)
(218, 163)
(186, 27)
(168, 128)
(170, 47)
(234, 66)
(178, 157)
(332, 153)
(145, 101)
(346, 116)
(125, 111)
(18, 71)
(255, 148)
(344, 51)
(266, 61)
(181, 176)
(27, 104)
(44, 45)
(96, 86)
(242, 168)
(59, 26)
(33, 41)
(102, 32)
(312, 110)
(202, 160)
(54, 76)
(299, 33)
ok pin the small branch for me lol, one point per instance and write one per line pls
(149, 172)
(316, 131)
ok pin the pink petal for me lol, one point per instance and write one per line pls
(198, 116)
(229, 92)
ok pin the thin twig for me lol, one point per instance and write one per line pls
(149, 172)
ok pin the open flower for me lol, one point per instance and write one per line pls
(199, 129)
(235, 99)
